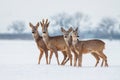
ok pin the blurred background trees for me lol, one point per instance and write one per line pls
(17, 27)
(107, 28)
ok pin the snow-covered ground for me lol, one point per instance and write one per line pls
(18, 61)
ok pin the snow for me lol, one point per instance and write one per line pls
(18, 61)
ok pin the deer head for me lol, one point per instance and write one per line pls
(34, 28)
(66, 34)
(75, 34)
(44, 25)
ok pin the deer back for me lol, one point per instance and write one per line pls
(58, 42)
(92, 45)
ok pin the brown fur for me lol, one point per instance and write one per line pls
(68, 40)
(89, 46)
(40, 43)
(55, 43)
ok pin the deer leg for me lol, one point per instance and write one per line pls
(106, 64)
(56, 54)
(103, 56)
(80, 60)
(75, 57)
(40, 56)
(65, 56)
(46, 55)
(50, 57)
(96, 57)
(66, 61)
(70, 57)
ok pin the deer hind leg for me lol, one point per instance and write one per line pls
(96, 57)
(64, 60)
(106, 64)
(46, 55)
(40, 56)
(50, 57)
(103, 56)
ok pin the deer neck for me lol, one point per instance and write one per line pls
(69, 41)
(45, 38)
(36, 36)
(74, 41)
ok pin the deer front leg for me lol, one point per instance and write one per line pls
(80, 59)
(51, 54)
(75, 57)
(46, 55)
(40, 56)
(66, 61)
(70, 57)
(56, 53)
(65, 56)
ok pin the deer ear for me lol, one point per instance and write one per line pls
(37, 24)
(70, 29)
(46, 21)
(62, 29)
(76, 29)
(48, 24)
(43, 20)
(41, 24)
(30, 24)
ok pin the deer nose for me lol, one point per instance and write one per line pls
(65, 36)
(33, 32)
(44, 32)
(77, 36)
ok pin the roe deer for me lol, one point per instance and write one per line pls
(88, 46)
(39, 41)
(55, 43)
(68, 40)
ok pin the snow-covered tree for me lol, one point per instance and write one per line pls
(106, 27)
(17, 27)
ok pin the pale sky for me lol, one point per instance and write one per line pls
(34, 10)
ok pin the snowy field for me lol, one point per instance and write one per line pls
(18, 61)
